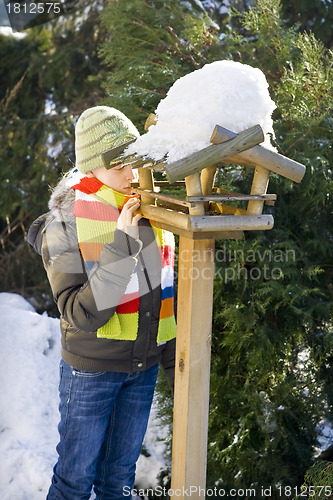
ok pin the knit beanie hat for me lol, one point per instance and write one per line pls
(101, 134)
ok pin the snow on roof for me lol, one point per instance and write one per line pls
(227, 93)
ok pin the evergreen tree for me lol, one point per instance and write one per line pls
(153, 43)
(318, 482)
(272, 347)
(47, 79)
(313, 16)
(273, 315)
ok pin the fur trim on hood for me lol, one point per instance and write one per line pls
(62, 201)
(61, 205)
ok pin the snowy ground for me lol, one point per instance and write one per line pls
(30, 347)
(30, 353)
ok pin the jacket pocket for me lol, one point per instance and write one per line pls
(84, 373)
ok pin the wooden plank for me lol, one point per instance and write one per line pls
(161, 214)
(170, 205)
(213, 154)
(225, 191)
(205, 223)
(260, 156)
(203, 235)
(230, 222)
(259, 186)
(192, 372)
(233, 197)
(165, 197)
(146, 181)
(221, 208)
(193, 187)
(160, 183)
(207, 178)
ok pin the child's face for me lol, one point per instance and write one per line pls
(117, 178)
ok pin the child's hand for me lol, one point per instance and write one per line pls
(127, 222)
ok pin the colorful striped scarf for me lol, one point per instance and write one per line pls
(97, 208)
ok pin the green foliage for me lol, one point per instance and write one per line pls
(318, 481)
(272, 346)
(152, 43)
(48, 78)
(265, 394)
(272, 349)
(312, 15)
(305, 95)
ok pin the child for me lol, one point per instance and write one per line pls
(111, 274)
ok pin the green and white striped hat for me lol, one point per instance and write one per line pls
(101, 130)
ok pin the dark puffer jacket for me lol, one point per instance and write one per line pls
(87, 304)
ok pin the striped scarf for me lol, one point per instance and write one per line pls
(97, 208)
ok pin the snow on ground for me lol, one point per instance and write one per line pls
(226, 93)
(30, 354)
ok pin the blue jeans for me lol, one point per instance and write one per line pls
(104, 418)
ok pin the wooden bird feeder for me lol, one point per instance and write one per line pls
(199, 220)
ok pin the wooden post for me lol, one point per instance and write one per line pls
(259, 186)
(192, 372)
(207, 182)
(146, 181)
(193, 185)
